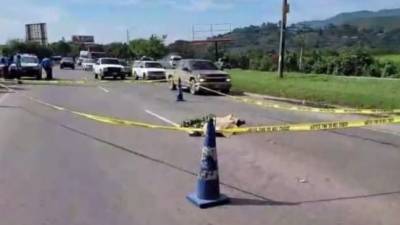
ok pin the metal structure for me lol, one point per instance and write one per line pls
(83, 39)
(208, 34)
(285, 11)
(36, 33)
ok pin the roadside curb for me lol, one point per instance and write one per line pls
(290, 100)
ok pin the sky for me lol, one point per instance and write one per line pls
(108, 20)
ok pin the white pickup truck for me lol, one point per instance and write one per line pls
(108, 67)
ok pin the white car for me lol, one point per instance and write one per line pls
(108, 67)
(88, 64)
(148, 70)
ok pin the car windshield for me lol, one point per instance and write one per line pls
(153, 65)
(110, 61)
(123, 63)
(203, 65)
(67, 60)
(29, 59)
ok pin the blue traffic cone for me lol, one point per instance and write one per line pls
(207, 191)
(179, 98)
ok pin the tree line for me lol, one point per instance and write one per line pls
(153, 47)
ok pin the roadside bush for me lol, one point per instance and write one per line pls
(389, 69)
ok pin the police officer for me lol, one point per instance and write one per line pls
(48, 68)
(18, 66)
(5, 67)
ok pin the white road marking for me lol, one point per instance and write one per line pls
(162, 118)
(103, 89)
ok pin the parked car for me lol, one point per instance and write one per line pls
(3, 66)
(67, 62)
(88, 64)
(30, 67)
(148, 70)
(108, 67)
(196, 73)
(127, 68)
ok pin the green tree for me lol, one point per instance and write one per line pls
(61, 48)
(153, 47)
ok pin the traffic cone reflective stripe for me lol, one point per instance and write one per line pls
(207, 190)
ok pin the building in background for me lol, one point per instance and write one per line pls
(36, 33)
(83, 39)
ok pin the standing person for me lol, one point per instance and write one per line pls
(5, 67)
(48, 68)
(18, 65)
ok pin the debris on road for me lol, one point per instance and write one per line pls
(222, 123)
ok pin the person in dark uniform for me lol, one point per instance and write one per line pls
(5, 67)
(48, 68)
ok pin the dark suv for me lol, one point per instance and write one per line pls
(67, 62)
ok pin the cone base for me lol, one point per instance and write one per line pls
(203, 204)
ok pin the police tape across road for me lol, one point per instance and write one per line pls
(78, 82)
(265, 104)
(319, 126)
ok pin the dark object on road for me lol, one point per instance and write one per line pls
(67, 62)
(207, 190)
(179, 98)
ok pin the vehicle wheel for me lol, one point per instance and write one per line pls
(193, 90)
(172, 85)
(39, 77)
(123, 77)
(96, 76)
(135, 76)
(226, 91)
(61, 67)
(144, 77)
(102, 77)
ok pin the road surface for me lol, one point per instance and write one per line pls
(60, 169)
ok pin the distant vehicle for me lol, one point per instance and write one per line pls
(127, 68)
(148, 70)
(88, 64)
(196, 73)
(67, 62)
(56, 59)
(30, 67)
(89, 55)
(146, 58)
(170, 61)
(222, 65)
(174, 60)
(108, 67)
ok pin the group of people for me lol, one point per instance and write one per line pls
(46, 64)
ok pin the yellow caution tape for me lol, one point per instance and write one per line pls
(265, 104)
(112, 120)
(314, 126)
(233, 131)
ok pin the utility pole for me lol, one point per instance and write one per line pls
(128, 38)
(285, 11)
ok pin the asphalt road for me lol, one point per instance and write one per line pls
(60, 169)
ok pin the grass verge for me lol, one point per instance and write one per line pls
(358, 93)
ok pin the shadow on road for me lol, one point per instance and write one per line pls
(245, 201)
